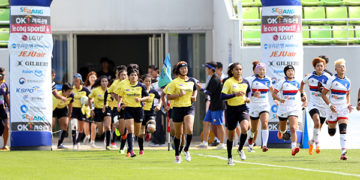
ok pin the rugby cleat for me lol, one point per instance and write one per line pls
(242, 154)
(264, 149)
(132, 154)
(230, 162)
(141, 152)
(279, 135)
(317, 150)
(295, 151)
(187, 156)
(311, 147)
(148, 137)
(177, 159)
(251, 140)
(343, 156)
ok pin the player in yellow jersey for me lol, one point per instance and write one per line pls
(182, 91)
(101, 113)
(132, 95)
(61, 111)
(77, 117)
(236, 92)
(149, 124)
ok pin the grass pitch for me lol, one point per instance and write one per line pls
(159, 164)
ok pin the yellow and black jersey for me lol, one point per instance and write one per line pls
(98, 94)
(118, 88)
(178, 84)
(78, 93)
(111, 89)
(232, 86)
(149, 104)
(60, 104)
(129, 92)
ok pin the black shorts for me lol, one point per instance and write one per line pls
(236, 114)
(170, 113)
(179, 113)
(99, 115)
(316, 111)
(256, 118)
(114, 113)
(77, 114)
(136, 113)
(3, 114)
(148, 115)
(59, 113)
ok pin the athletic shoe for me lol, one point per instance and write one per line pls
(86, 139)
(117, 132)
(264, 148)
(92, 145)
(250, 140)
(148, 137)
(74, 147)
(343, 156)
(61, 146)
(5, 148)
(107, 148)
(132, 154)
(141, 152)
(128, 154)
(311, 147)
(122, 151)
(250, 149)
(214, 143)
(230, 162)
(104, 141)
(295, 151)
(113, 145)
(177, 159)
(187, 156)
(242, 154)
(78, 146)
(203, 145)
(317, 150)
(220, 147)
(279, 135)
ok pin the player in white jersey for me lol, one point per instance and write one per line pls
(316, 106)
(260, 86)
(339, 103)
(289, 107)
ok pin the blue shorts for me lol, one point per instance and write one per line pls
(214, 117)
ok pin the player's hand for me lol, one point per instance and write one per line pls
(103, 109)
(92, 113)
(240, 93)
(157, 108)
(198, 86)
(193, 98)
(303, 99)
(350, 108)
(276, 102)
(182, 92)
(137, 99)
(64, 99)
(333, 108)
(358, 106)
(247, 100)
(282, 101)
(305, 104)
(257, 94)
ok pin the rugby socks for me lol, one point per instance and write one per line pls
(62, 136)
(243, 138)
(113, 139)
(108, 136)
(73, 133)
(130, 140)
(141, 143)
(177, 144)
(293, 145)
(343, 141)
(122, 143)
(265, 137)
(316, 136)
(188, 141)
(229, 148)
(181, 148)
(80, 137)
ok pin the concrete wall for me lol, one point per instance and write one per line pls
(134, 15)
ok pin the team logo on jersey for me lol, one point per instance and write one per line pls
(127, 90)
(181, 85)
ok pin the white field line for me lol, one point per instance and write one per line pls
(289, 167)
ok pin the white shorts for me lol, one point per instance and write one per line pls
(322, 110)
(285, 112)
(256, 109)
(342, 113)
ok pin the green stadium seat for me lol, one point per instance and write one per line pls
(343, 32)
(332, 2)
(251, 35)
(250, 13)
(336, 13)
(4, 3)
(5, 15)
(320, 34)
(306, 35)
(245, 3)
(314, 13)
(310, 2)
(354, 13)
(4, 36)
(257, 2)
(352, 2)
(357, 34)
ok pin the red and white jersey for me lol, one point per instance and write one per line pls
(316, 83)
(289, 90)
(263, 85)
(338, 89)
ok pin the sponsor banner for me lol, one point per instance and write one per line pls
(281, 40)
(30, 47)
